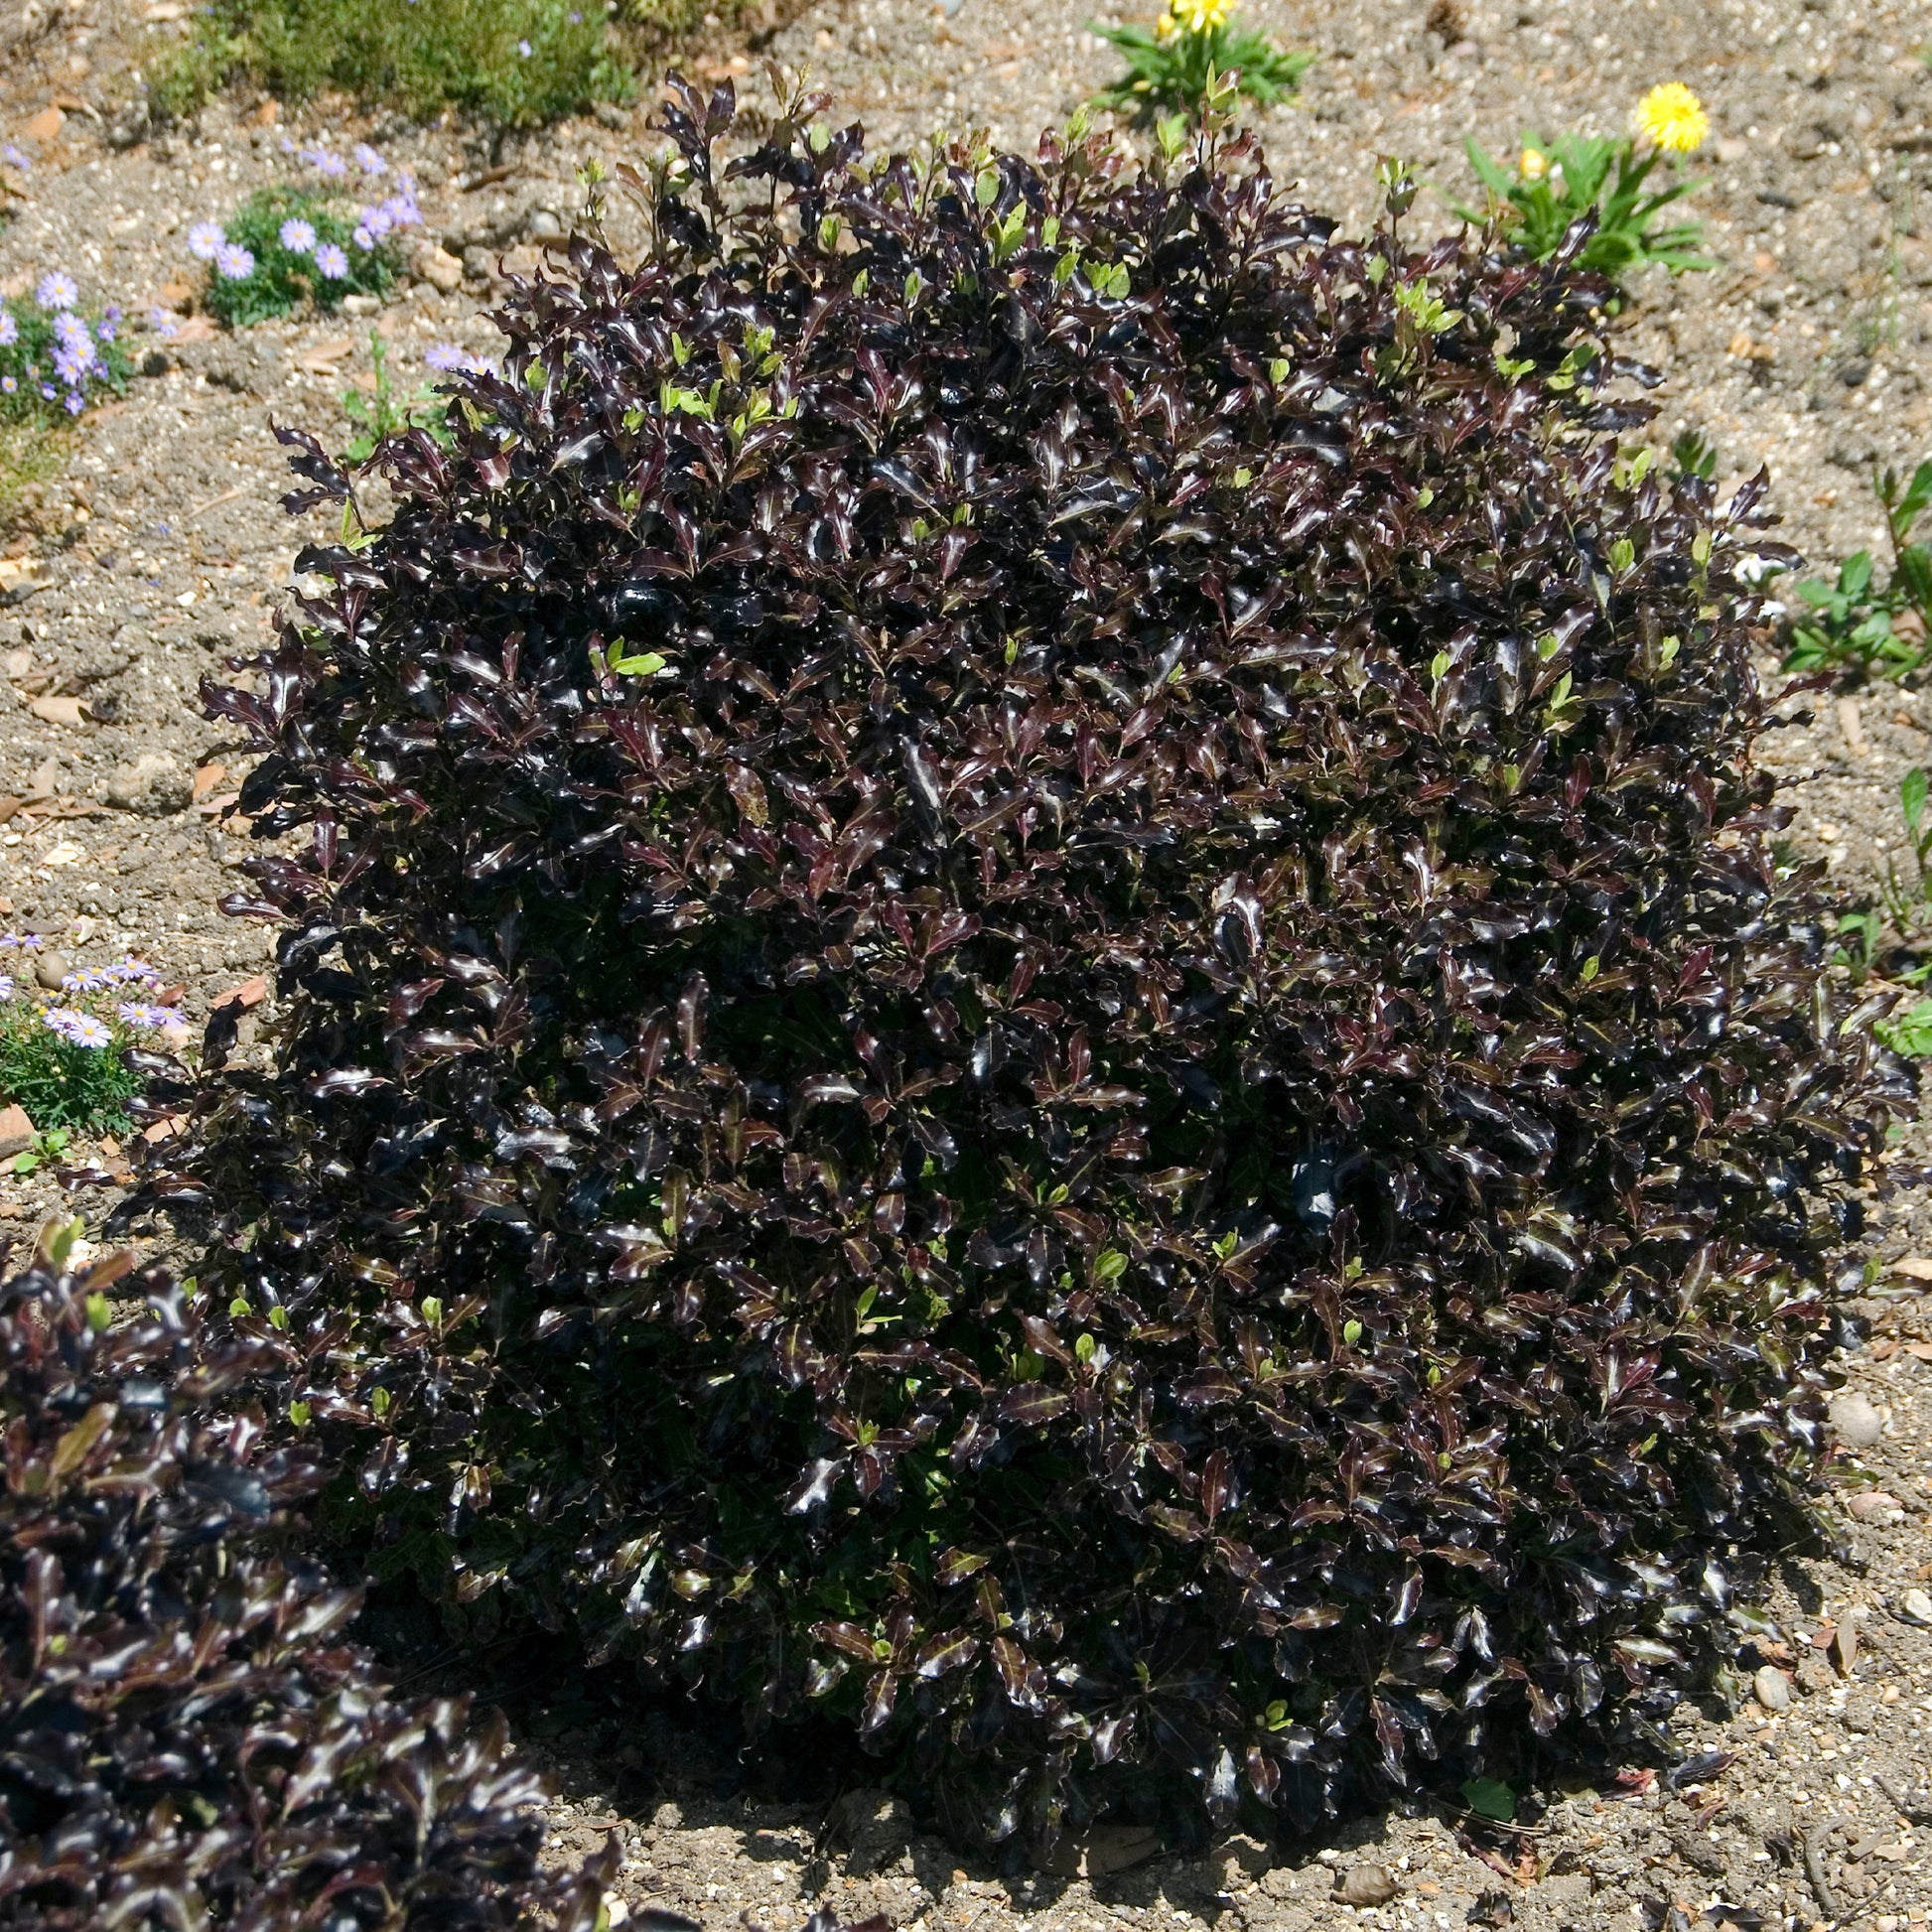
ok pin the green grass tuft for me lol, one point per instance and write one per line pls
(423, 55)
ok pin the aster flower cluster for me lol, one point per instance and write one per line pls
(54, 358)
(60, 1052)
(287, 247)
(446, 359)
(384, 218)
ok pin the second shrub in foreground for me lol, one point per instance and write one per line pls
(186, 1738)
(1036, 986)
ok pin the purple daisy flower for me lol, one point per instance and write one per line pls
(77, 1029)
(57, 291)
(363, 240)
(161, 322)
(9, 329)
(235, 262)
(324, 162)
(369, 160)
(206, 240)
(332, 261)
(136, 1013)
(298, 236)
(443, 358)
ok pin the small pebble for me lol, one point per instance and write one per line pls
(1771, 1688)
(1916, 1606)
(1867, 1503)
(1365, 1885)
(1856, 1423)
(50, 969)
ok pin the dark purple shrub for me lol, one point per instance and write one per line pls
(1035, 983)
(186, 1737)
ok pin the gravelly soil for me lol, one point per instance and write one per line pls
(159, 550)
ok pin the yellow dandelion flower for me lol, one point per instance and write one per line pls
(1202, 16)
(1534, 165)
(1671, 117)
(1164, 28)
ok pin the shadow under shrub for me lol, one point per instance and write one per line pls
(1036, 986)
(186, 1738)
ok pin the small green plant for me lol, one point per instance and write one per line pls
(47, 1148)
(1559, 181)
(1195, 45)
(1882, 942)
(1857, 626)
(60, 1053)
(1907, 902)
(182, 79)
(1490, 1798)
(385, 409)
(286, 246)
(518, 63)
(1909, 1032)
(1692, 456)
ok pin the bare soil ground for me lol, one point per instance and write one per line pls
(159, 549)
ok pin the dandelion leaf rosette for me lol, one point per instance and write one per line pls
(1035, 989)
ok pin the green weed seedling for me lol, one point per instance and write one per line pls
(48, 1146)
(1882, 942)
(1692, 456)
(386, 410)
(1859, 626)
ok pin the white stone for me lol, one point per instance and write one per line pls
(154, 785)
(1856, 1423)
